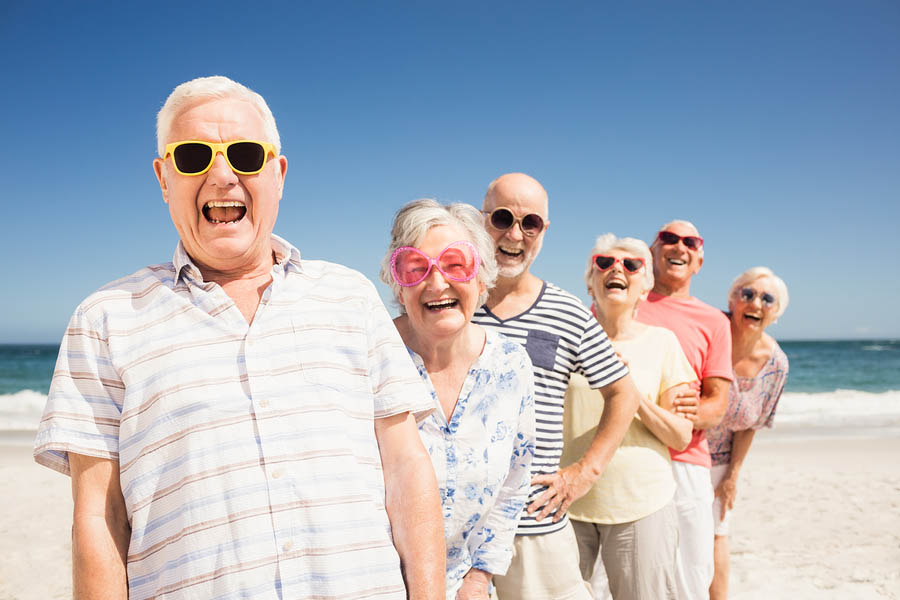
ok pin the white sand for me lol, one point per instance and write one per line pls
(814, 519)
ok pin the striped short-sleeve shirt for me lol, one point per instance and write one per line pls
(561, 337)
(247, 454)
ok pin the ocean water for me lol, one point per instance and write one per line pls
(849, 383)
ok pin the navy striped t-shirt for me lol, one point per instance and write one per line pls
(561, 337)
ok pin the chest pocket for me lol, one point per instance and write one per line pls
(541, 347)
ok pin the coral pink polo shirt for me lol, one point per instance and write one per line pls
(705, 336)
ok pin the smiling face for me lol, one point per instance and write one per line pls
(675, 264)
(754, 314)
(616, 289)
(522, 195)
(438, 307)
(224, 220)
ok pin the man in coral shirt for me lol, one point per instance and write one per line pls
(705, 337)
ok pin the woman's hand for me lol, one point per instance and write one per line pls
(686, 401)
(475, 586)
(727, 491)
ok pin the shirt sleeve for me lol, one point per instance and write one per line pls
(84, 406)
(675, 366)
(597, 359)
(395, 383)
(777, 388)
(718, 361)
(493, 541)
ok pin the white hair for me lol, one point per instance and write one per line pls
(413, 221)
(636, 247)
(751, 275)
(681, 222)
(204, 89)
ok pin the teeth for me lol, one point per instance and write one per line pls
(676, 261)
(224, 204)
(440, 304)
(510, 252)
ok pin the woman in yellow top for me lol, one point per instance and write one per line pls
(628, 516)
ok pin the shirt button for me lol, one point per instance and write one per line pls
(264, 403)
(276, 473)
(287, 546)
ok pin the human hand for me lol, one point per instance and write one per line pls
(621, 358)
(686, 402)
(727, 491)
(563, 488)
(476, 585)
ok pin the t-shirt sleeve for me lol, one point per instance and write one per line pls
(779, 380)
(597, 359)
(84, 405)
(675, 366)
(393, 378)
(718, 361)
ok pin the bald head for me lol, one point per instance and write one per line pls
(519, 189)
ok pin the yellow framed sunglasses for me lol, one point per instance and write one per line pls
(195, 157)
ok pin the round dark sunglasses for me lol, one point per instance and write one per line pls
(749, 294)
(502, 219)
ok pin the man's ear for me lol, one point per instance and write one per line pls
(159, 168)
(282, 164)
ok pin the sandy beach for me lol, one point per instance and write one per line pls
(817, 517)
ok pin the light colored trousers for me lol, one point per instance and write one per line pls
(544, 567)
(630, 561)
(694, 565)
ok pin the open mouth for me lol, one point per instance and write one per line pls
(510, 253)
(224, 211)
(615, 285)
(439, 305)
(675, 261)
(752, 317)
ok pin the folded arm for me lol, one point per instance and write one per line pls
(713, 402)
(100, 530)
(672, 429)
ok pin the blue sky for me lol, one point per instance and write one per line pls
(774, 126)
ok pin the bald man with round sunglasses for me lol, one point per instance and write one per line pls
(561, 337)
(240, 422)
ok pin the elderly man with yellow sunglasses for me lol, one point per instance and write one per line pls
(239, 421)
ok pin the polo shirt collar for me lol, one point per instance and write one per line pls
(287, 258)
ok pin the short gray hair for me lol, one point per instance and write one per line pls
(656, 241)
(638, 249)
(413, 221)
(202, 89)
(751, 275)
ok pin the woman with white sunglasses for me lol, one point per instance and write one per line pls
(628, 517)
(440, 265)
(756, 299)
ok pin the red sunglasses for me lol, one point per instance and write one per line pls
(694, 242)
(603, 262)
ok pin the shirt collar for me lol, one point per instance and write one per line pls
(287, 258)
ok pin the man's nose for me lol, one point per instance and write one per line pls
(220, 172)
(515, 232)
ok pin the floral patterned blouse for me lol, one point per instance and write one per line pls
(751, 405)
(482, 457)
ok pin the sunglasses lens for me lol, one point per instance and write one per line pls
(668, 238)
(747, 295)
(502, 219)
(410, 267)
(532, 224)
(604, 262)
(768, 299)
(632, 265)
(458, 262)
(692, 242)
(247, 157)
(192, 158)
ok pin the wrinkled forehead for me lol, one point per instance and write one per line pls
(521, 196)
(219, 119)
(681, 228)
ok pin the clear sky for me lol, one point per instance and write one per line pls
(774, 126)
